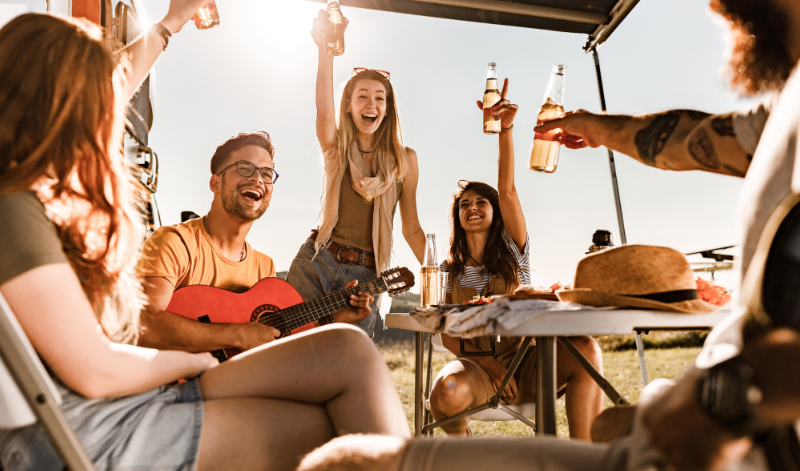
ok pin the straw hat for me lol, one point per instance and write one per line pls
(640, 276)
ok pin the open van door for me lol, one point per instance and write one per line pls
(121, 26)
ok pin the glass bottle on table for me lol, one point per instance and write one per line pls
(206, 16)
(335, 45)
(429, 291)
(544, 154)
(491, 122)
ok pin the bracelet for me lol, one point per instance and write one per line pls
(325, 320)
(508, 128)
(163, 32)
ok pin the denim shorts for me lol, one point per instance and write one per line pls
(158, 430)
(325, 274)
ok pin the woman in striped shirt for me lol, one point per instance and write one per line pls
(489, 250)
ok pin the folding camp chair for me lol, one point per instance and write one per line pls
(522, 412)
(27, 393)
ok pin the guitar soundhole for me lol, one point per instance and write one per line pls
(267, 314)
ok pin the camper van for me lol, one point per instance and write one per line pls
(121, 25)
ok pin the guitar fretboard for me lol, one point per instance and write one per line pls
(302, 314)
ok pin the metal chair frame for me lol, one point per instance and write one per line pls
(32, 382)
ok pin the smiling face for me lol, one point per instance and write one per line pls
(475, 212)
(244, 197)
(367, 105)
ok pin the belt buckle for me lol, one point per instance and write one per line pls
(360, 256)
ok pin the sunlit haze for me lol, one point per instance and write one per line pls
(257, 71)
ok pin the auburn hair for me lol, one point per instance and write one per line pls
(61, 107)
(497, 258)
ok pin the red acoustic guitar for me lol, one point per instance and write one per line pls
(275, 303)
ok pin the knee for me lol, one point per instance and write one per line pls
(350, 342)
(450, 392)
(590, 349)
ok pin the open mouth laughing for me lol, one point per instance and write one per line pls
(251, 194)
(369, 118)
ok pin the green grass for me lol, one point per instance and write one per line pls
(621, 369)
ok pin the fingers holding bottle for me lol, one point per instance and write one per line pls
(328, 29)
(181, 11)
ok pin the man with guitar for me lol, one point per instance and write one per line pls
(212, 251)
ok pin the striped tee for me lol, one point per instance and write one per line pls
(479, 277)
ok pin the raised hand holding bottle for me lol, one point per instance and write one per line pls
(206, 16)
(335, 41)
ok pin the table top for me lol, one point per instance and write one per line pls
(568, 323)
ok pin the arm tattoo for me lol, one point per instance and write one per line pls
(735, 171)
(696, 115)
(723, 126)
(702, 149)
(651, 140)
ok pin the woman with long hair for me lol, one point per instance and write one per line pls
(71, 234)
(489, 250)
(368, 173)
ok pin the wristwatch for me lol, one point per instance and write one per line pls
(730, 396)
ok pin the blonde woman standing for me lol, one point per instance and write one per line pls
(368, 173)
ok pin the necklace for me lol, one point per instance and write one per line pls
(244, 245)
(365, 151)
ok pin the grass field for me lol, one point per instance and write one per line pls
(621, 369)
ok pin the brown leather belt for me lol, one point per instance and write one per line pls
(348, 254)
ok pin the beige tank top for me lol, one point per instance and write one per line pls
(354, 226)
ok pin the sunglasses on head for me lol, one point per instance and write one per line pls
(358, 70)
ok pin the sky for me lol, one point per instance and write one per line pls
(257, 71)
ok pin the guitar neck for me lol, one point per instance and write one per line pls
(302, 314)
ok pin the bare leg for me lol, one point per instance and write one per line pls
(260, 434)
(333, 378)
(584, 397)
(457, 388)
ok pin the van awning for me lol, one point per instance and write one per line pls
(595, 18)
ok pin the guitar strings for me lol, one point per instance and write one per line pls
(314, 309)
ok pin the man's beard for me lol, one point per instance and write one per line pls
(760, 61)
(231, 204)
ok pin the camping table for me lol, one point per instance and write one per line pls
(546, 328)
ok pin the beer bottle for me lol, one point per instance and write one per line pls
(335, 45)
(429, 274)
(544, 154)
(491, 123)
(207, 16)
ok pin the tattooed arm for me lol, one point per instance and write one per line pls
(673, 140)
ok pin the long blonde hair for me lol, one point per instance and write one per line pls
(61, 109)
(393, 163)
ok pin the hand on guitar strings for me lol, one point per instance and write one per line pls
(254, 334)
(359, 307)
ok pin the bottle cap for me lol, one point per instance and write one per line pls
(601, 240)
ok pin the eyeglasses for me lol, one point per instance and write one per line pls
(247, 169)
(358, 70)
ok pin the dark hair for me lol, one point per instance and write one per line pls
(760, 60)
(257, 138)
(497, 259)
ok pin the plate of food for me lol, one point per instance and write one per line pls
(533, 292)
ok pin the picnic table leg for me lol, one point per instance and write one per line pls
(545, 386)
(419, 408)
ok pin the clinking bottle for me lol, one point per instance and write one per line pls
(491, 122)
(206, 16)
(429, 275)
(544, 153)
(335, 47)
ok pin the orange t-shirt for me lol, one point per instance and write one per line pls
(185, 255)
